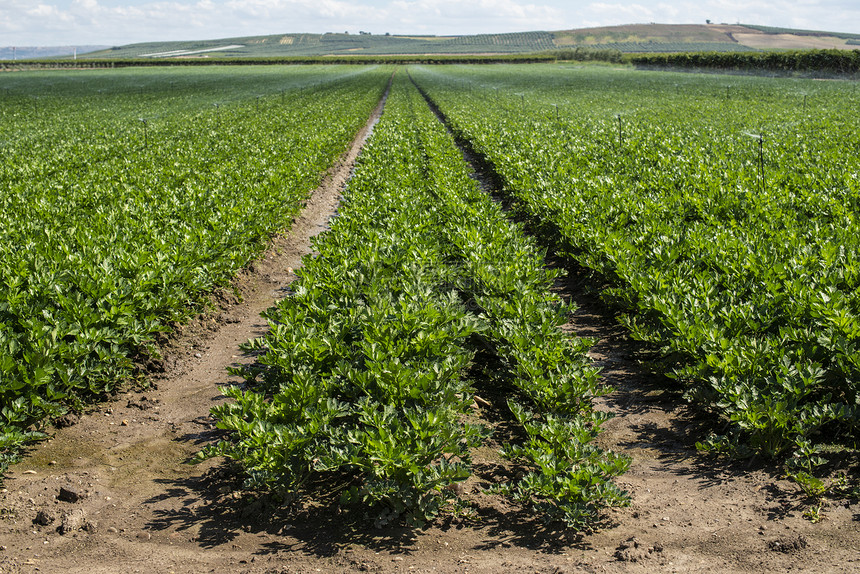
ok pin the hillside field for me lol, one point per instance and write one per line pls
(631, 38)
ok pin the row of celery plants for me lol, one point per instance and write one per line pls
(723, 217)
(110, 242)
(367, 372)
(55, 121)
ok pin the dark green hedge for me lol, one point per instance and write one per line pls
(804, 61)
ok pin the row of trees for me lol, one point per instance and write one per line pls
(802, 61)
(816, 62)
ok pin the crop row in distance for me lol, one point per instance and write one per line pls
(421, 294)
(723, 213)
(129, 195)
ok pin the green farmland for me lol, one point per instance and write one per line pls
(722, 215)
(716, 216)
(128, 196)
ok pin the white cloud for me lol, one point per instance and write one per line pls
(605, 13)
(42, 11)
(481, 16)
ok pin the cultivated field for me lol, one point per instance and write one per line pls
(723, 216)
(127, 196)
(565, 319)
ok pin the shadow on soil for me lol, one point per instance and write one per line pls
(214, 504)
(635, 371)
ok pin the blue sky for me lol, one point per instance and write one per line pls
(117, 22)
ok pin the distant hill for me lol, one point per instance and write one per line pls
(28, 52)
(305, 45)
(630, 38)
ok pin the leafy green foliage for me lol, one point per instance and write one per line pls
(365, 376)
(111, 233)
(736, 255)
(798, 61)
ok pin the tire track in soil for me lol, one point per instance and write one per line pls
(689, 512)
(111, 492)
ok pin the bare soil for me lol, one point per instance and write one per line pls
(792, 42)
(112, 493)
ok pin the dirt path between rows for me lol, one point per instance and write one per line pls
(111, 494)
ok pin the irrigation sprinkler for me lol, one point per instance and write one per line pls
(145, 133)
(620, 131)
(760, 139)
(556, 111)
